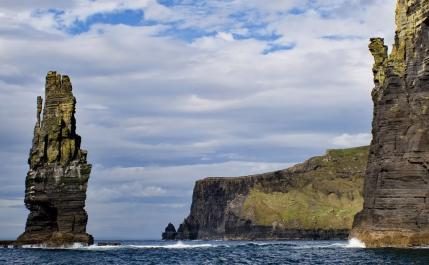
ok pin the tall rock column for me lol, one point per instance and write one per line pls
(56, 184)
(396, 192)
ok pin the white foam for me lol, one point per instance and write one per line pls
(355, 243)
(178, 245)
(44, 246)
(261, 243)
(95, 247)
(34, 246)
(352, 243)
(315, 246)
(76, 245)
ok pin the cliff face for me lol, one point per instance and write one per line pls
(315, 200)
(396, 193)
(55, 187)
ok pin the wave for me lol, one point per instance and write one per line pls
(44, 246)
(178, 245)
(352, 243)
(78, 246)
(355, 243)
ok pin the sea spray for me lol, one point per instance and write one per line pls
(355, 243)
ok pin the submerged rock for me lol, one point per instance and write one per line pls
(396, 194)
(56, 184)
(313, 200)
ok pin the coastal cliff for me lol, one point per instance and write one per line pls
(56, 184)
(396, 192)
(313, 200)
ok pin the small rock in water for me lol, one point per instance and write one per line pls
(170, 232)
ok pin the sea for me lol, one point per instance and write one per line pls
(216, 252)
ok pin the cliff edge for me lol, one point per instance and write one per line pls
(313, 200)
(396, 192)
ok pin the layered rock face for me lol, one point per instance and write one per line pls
(396, 192)
(56, 184)
(313, 200)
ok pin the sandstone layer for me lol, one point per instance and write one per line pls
(396, 190)
(313, 200)
(56, 183)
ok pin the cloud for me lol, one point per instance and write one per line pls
(11, 203)
(128, 191)
(171, 91)
(348, 140)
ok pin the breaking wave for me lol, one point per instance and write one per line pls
(352, 243)
(355, 243)
(178, 245)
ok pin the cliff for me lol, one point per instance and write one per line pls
(396, 209)
(56, 183)
(313, 200)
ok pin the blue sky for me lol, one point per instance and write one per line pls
(172, 91)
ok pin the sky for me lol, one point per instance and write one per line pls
(171, 91)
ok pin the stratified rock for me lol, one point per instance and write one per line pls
(396, 193)
(169, 233)
(313, 200)
(55, 187)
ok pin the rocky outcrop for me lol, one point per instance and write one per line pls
(396, 193)
(313, 200)
(55, 187)
(169, 233)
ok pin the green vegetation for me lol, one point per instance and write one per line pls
(326, 194)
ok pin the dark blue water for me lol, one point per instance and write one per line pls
(217, 252)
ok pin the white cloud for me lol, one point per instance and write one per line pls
(11, 203)
(195, 103)
(351, 140)
(126, 191)
(225, 36)
(95, 107)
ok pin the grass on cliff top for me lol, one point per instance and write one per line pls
(326, 197)
(302, 209)
(351, 152)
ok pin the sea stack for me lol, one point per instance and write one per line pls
(396, 190)
(56, 184)
(170, 232)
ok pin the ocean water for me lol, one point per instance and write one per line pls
(217, 252)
